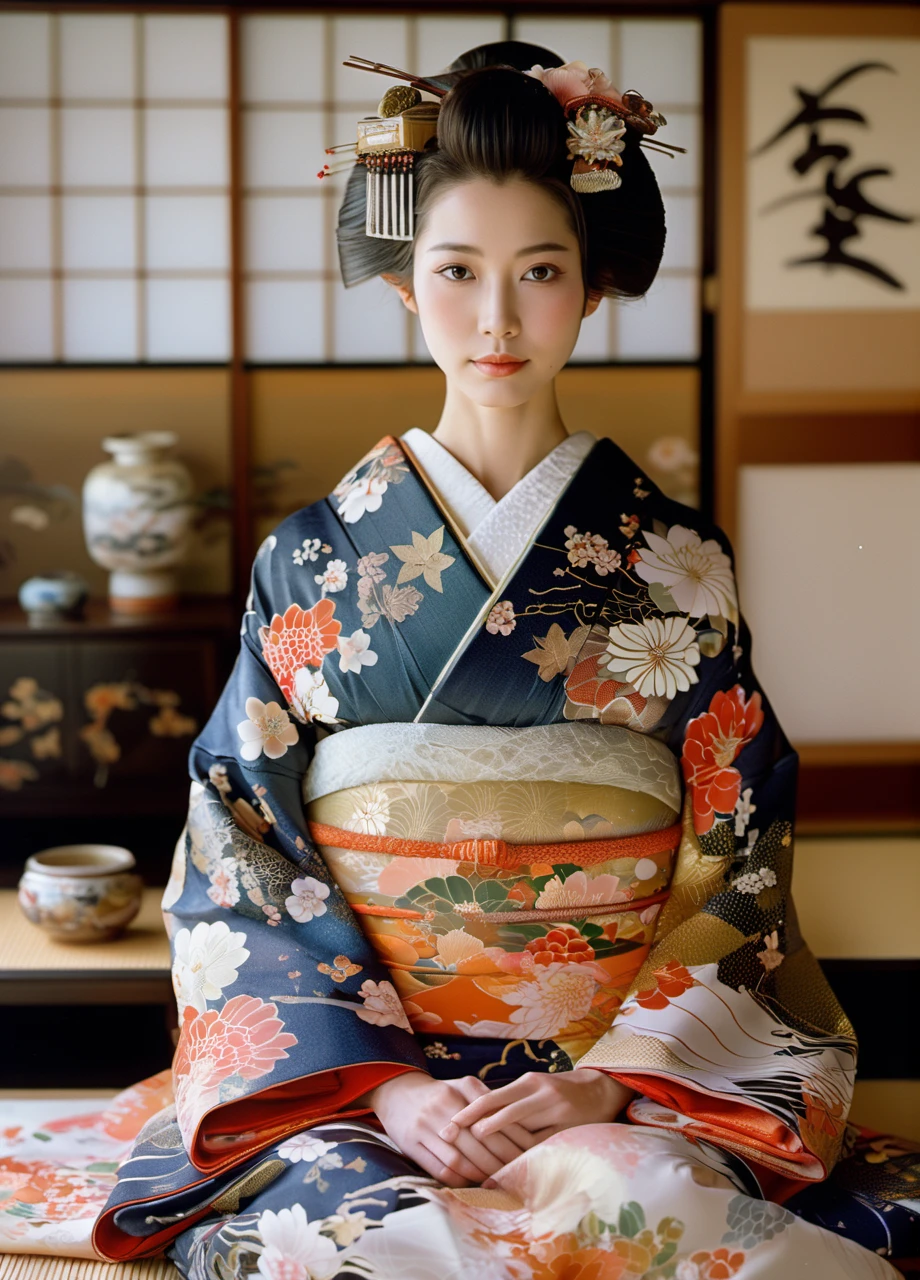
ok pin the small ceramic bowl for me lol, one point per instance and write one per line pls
(81, 892)
(49, 597)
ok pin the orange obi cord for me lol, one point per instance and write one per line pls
(498, 853)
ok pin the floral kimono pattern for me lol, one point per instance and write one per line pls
(556, 830)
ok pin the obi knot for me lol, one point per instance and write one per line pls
(491, 853)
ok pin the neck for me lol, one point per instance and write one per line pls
(499, 446)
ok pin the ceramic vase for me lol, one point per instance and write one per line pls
(137, 520)
(81, 892)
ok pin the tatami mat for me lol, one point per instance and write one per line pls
(27, 1266)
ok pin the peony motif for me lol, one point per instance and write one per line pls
(657, 657)
(365, 495)
(206, 960)
(334, 577)
(355, 652)
(580, 890)
(697, 574)
(293, 1248)
(312, 698)
(300, 638)
(712, 742)
(382, 1005)
(245, 1038)
(268, 729)
(372, 813)
(553, 996)
(308, 899)
(501, 619)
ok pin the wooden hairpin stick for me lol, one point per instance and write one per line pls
(364, 64)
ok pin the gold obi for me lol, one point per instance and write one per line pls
(515, 910)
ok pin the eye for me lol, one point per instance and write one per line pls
(544, 273)
(455, 267)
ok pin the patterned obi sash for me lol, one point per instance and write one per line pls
(513, 909)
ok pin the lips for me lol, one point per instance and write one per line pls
(499, 365)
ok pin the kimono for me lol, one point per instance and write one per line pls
(493, 789)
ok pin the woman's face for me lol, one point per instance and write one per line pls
(497, 273)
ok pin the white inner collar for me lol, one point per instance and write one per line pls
(498, 532)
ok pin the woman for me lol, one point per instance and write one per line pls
(467, 978)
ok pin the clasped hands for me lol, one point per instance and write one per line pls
(462, 1133)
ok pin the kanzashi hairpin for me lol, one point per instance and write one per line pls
(598, 117)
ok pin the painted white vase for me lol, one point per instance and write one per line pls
(137, 520)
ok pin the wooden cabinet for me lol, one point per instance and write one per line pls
(96, 721)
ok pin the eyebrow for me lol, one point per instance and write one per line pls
(549, 246)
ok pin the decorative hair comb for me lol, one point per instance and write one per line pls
(388, 143)
(598, 117)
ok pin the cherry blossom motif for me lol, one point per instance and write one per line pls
(501, 619)
(580, 890)
(657, 656)
(312, 698)
(356, 652)
(365, 495)
(304, 1146)
(697, 574)
(206, 960)
(308, 550)
(293, 1248)
(672, 980)
(712, 742)
(754, 881)
(308, 899)
(334, 577)
(382, 1005)
(300, 638)
(268, 729)
(371, 814)
(245, 1038)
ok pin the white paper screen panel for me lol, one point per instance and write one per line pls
(830, 584)
(114, 203)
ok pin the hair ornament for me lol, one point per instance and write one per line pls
(598, 116)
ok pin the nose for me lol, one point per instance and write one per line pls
(498, 315)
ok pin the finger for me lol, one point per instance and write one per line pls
(478, 1154)
(522, 1113)
(491, 1101)
(503, 1148)
(453, 1160)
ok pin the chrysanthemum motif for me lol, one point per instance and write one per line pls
(597, 134)
(657, 657)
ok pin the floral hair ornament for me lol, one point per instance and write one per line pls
(598, 116)
(387, 146)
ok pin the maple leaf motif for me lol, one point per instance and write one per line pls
(424, 558)
(553, 651)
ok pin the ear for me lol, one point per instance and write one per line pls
(592, 303)
(404, 290)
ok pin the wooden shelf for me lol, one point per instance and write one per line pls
(818, 754)
(195, 614)
(133, 969)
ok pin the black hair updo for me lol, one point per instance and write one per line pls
(499, 124)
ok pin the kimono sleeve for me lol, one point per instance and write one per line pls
(731, 1032)
(286, 1016)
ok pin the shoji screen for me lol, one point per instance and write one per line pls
(114, 202)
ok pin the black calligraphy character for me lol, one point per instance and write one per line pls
(845, 201)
